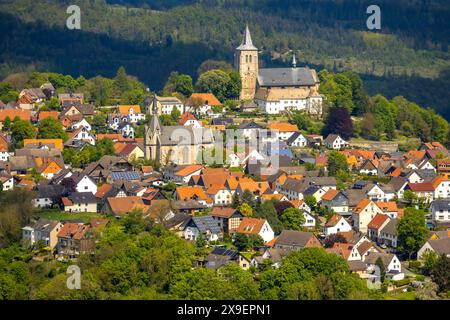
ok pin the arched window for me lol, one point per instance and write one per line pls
(250, 59)
(246, 58)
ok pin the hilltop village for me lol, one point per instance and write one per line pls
(246, 184)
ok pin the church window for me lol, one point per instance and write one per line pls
(246, 58)
(250, 58)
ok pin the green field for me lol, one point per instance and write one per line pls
(61, 215)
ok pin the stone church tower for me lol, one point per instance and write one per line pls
(246, 62)
(152, 138)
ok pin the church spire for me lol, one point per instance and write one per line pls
(247, 43)
(154, 126)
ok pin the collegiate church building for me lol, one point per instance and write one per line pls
(275, 90)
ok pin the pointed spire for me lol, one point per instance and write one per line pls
(294, 61)
(154, 126)
(247, 43)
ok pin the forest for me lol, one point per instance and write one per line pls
(152, 38)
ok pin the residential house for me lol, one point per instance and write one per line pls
(82, 123)
(256, 188)
(274, 255)
(4, 148)
(334, 141)
(43, 230)
(189, 120)
(205, 226)
(283, 131)
(132, 112)
(347, 251)
(81, 134)
(296, 240)
(181, 173)
(165, 105)
(337, 201)
(48, 195)
(220, 257)
(80, 182)
(229, 218)
(297, 140)
(440, 211)
(388, 234)
(438, 246)
(119, 206)
(336, 224)
(249, 129)
(391, 264)
(186, 193)
(80, 202)
(203, 103)
(131, 152)
(363, 213)
(256, 227)
(73, 239)
(375, 225)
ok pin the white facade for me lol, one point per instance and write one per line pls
(8, 184)
(4, 156)
(86, 184)
(166, 107)
(310, 221)
(300, 141)
(82, 123)
(341, 226)
(223, 197)
(275, 107)
(85, 135)
(81, 207)
(42, 202)
(266, 232)
(337, 143)
(441, 214)
(443, 190)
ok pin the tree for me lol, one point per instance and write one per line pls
(334, 238)
(121, 80)
(412, 231)
(441, 273)
(7, 93)
(267, 211)
(245, 242)
(7, 124)
(310, 201)
(429, 260)
(245, 210)
(293, 219)
(214, 81)
(409, 196)
(208, 65)
(50, 128)
(339, 122)
(52, 104)
(380, 264)
(248, 198)
(336, 162)
(21, 130)
(181, 83)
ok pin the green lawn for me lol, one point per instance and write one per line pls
(61, 215)
(402, 296)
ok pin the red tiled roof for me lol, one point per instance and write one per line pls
(378, 221)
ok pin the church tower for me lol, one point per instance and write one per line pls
(152, 139)
(246, 62)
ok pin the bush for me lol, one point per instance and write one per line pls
(402, 282)
(420, 277)
(414, 264)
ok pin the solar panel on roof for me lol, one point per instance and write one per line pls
(129, 175)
